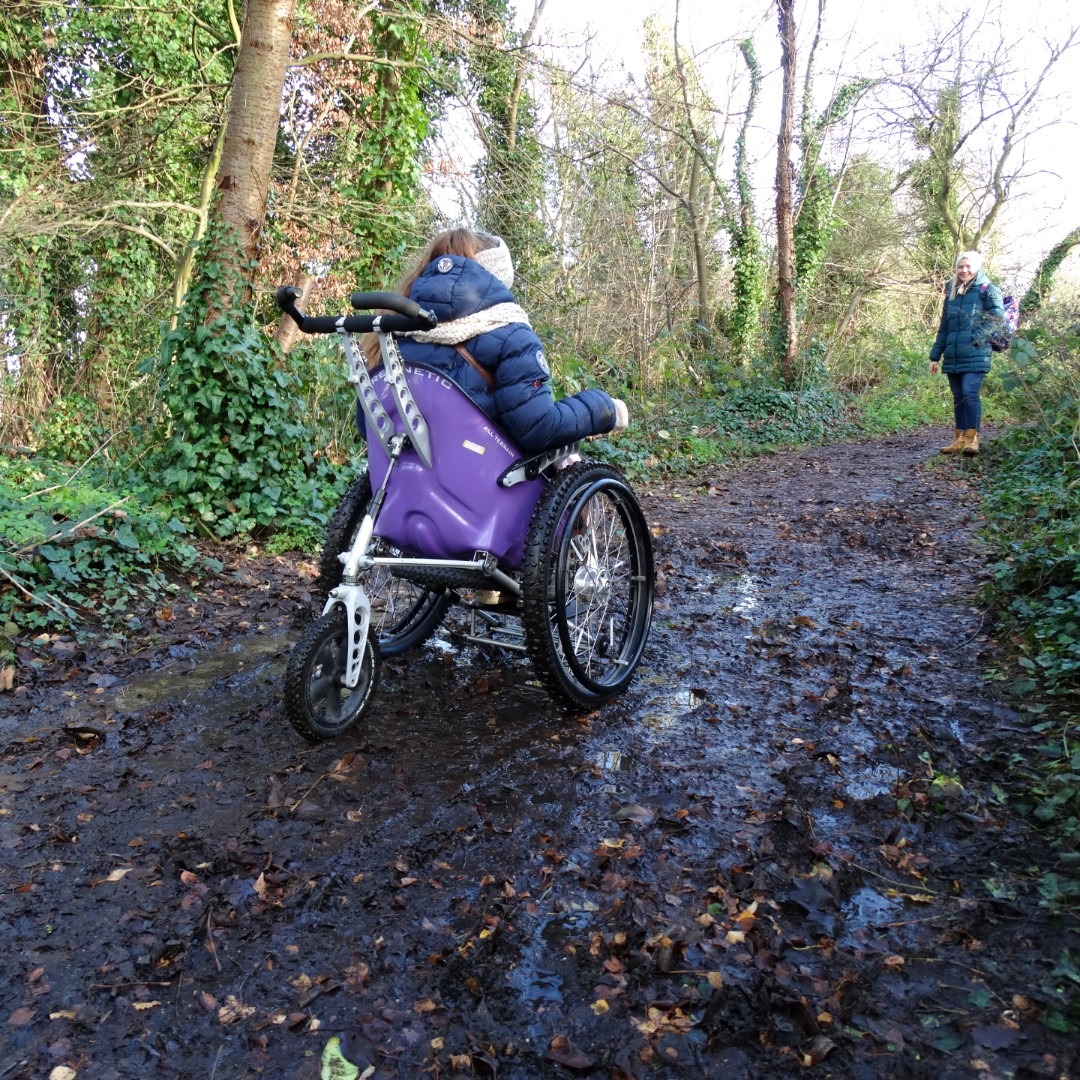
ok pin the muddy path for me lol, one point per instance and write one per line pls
(783, 852)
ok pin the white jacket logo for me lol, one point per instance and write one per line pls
(541, 359)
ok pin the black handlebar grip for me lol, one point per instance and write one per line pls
(391, 301)
(286, 297)
(410, 316)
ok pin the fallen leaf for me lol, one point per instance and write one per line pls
(818, 1050)
(563, 1052)
(336, 1066)
(234, 1010)
(642, 815)
(21, 1017)
(142, 1006)
(997, 1036)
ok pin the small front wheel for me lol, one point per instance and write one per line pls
(317, 702)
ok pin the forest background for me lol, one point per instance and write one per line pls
(751, 252)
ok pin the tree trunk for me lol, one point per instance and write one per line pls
(785, 225)
(287, 331)
(243, 179)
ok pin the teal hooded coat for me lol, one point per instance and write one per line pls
(967, 320)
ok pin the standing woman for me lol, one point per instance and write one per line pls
(971, 313)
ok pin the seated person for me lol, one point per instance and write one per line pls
(485, 344)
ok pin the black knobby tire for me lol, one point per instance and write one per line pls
(587, 585)
(404, 614)
(317, 703)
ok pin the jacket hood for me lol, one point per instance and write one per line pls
(453, 287)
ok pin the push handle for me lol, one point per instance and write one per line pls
(408, 315)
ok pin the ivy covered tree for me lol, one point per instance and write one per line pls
(748, 253)
(818, 185)
(935, 181)
(1040, 288)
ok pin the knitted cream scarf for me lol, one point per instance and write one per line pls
(469, 326)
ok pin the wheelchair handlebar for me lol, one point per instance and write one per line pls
(408, 315)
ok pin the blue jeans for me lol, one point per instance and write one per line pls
(967, 405)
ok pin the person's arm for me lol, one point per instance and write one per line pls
(527, 408)
(939, 340)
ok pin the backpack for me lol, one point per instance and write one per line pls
(1000, 339)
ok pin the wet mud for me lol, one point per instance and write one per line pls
(784, 852)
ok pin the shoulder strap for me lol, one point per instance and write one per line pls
(476, 365)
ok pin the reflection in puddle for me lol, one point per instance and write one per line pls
(748, 590)
(689, 699)
(613, 761)
(663, 718)
(233, 667)
(877, 780)
(866, 909)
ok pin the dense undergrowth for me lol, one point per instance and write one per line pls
(1031, 507)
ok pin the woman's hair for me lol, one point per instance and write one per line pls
(467, 243)
(974, 260)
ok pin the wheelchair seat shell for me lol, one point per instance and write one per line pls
(457, 507)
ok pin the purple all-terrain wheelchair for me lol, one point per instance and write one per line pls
(552, 562)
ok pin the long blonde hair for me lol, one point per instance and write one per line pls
(464, 242)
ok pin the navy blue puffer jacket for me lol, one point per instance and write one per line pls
(521, 400)
(967, 320)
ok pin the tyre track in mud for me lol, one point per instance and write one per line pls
(771, 853)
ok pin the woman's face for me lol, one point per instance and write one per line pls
(964, 273)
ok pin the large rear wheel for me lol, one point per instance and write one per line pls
(404, 614)
(587, 585)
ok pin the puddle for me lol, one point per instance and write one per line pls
(206, 675)
(748, 591)
(877, 780)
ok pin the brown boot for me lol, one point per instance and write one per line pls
(971, 443)
(956, 445)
